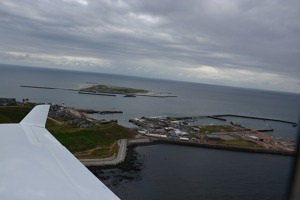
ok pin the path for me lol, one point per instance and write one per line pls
(109, 161)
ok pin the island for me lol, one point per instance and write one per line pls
(107, 90)
(99, 89)
(104, 142)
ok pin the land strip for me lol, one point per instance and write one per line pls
(48, 88)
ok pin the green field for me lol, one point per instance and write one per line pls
(240, 143)
(78, 140)
(13, 114)
(216, 128)
(98, 141)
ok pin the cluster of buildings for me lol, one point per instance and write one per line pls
(235, 135)
(62, 113)
(72, 116)
(163, 127)
(7, 101)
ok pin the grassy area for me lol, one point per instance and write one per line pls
(239, 143)
(140, 124)
(82, 139)
(73, 138)
(113, 89)
(151, 121)
(105, 152)
(13, 114)
(216, 128)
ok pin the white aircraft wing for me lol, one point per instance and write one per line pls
(34, 165)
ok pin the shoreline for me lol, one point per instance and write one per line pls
(130, 161)
(132, 144)
(226, 148)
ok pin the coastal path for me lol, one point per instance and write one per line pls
(113, 160)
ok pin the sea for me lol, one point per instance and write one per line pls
(170, 171)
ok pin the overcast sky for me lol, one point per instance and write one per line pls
(244, 43)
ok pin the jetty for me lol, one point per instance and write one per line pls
(102, 112)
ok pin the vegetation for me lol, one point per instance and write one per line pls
(239, 143)
(151, 121)
(80, 140)
(96, 142)
(216, 128)
(140, 124)
(113, 89)
(13, 114)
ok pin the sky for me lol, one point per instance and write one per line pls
(243, 43)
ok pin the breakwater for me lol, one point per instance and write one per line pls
(260, 118)
(97, 93)
(155, 95)
(102, 112)
(224, 147)
(47, 88)
(120, 157)
(124, 144)
(219, 117)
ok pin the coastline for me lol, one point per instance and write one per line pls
(126, 159)
(113, 160)
(225, 147)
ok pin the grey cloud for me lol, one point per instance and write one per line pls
(257, 36)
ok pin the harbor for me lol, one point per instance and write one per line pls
(232, 136)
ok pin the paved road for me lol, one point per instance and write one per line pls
(109, 161)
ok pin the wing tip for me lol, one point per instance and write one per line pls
(37, 116)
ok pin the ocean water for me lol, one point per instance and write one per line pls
(169, 171)
(193, 98)
(179, 172)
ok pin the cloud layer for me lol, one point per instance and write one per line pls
(229, 42)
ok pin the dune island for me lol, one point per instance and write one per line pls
(109, 90)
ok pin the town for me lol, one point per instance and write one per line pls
(232, 136)
(179, 130)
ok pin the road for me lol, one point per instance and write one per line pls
(109, 161)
